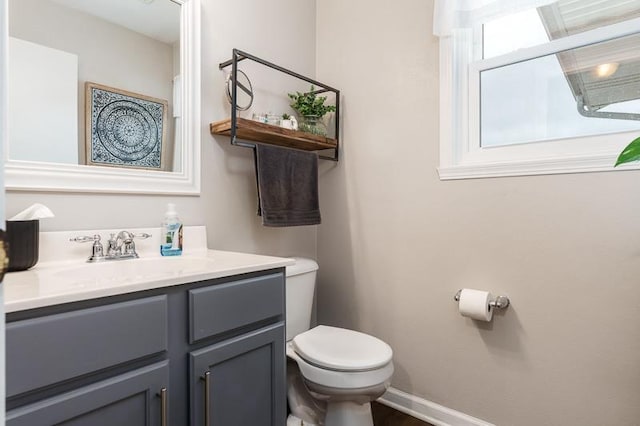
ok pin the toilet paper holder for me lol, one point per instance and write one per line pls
(500, 302)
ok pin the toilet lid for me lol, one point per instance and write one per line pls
(340, 349)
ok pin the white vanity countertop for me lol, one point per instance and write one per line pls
(61, 280)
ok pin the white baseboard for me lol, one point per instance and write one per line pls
(428, 411)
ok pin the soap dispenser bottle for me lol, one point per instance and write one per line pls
(171, 236)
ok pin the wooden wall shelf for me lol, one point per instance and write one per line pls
(241, 129)
(274, 135)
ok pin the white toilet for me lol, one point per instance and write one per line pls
(333, 373)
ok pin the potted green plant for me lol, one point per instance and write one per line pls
(630, 153)
(311, 109)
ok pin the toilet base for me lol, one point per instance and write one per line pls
(344, 413)
(295, 421)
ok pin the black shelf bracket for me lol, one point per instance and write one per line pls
(238, 56)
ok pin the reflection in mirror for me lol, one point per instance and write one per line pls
(130, 47)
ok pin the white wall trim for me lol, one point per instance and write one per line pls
(548, 166)
(428, 411)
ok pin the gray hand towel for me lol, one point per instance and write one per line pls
(287, 186)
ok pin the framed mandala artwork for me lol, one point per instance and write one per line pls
(125, 129)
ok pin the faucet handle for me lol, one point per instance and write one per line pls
(142, 236)
(97, 251)
(85, 239)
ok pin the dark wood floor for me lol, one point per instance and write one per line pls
(385, 416)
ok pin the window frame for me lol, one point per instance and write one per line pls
(462, 157)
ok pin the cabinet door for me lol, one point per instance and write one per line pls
(240, 381)
(131, 399)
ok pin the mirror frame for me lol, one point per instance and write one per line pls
(42, 176)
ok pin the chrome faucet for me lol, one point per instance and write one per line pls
(127, 246)
(119, 247)
(112, 247)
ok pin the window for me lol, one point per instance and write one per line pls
(544, 87)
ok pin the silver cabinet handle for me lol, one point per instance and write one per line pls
(163, 407)
(207, 396)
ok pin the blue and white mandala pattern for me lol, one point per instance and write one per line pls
(125, 130)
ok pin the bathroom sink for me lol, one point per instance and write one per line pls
(63, 276)
(145, 269)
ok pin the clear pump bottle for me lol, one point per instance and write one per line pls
(171, 234)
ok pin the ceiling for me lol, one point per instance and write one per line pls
(158, 19)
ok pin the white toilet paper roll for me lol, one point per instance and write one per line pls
(475, 304)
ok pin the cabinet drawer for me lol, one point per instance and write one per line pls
(224, 307)
(51, 349)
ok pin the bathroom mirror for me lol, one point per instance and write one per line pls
(103, 96)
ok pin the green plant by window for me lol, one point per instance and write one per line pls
(308, 104)
(286, 116)
(630, 153)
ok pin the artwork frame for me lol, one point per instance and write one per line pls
(126, 129)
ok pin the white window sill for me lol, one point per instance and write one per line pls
(599, 163)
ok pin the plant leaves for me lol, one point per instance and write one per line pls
(310, 104)
(630, 153)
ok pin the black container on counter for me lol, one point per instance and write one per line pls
(23, 241)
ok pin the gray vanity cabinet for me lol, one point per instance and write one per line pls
(141, 359)
(239, 380)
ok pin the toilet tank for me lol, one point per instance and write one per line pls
(300, 289)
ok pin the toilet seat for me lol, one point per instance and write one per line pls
(339, 349)
(344, 380)
(344, 359)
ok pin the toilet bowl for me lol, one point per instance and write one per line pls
(333, 373)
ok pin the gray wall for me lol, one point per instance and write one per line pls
(396, 243)
(282, 31)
